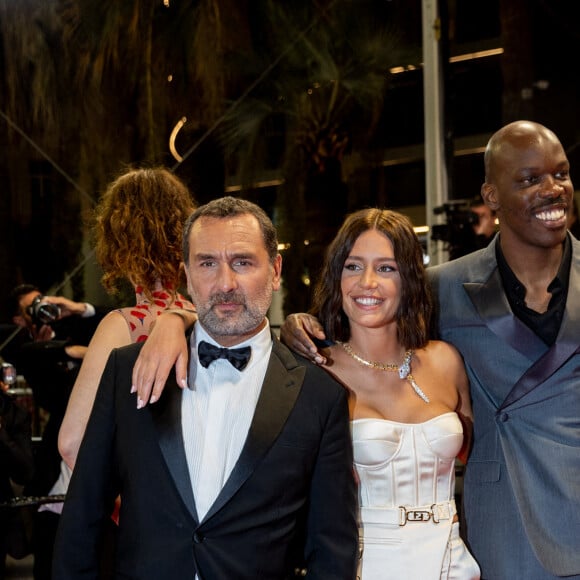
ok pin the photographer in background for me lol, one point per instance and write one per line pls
(48, 352)
(51, 345)
(469, 225)
(42, 315)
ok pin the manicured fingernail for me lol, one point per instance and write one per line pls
(152, 399)
(184, 383)
(133, 389)
(140, 403)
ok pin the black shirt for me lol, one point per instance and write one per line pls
(546, 324)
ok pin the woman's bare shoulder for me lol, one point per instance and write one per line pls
(112, 330)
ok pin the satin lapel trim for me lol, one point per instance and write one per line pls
(282, 385)
(566, 345)
(499, 318)
(166, 415)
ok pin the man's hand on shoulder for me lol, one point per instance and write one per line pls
(297, 332)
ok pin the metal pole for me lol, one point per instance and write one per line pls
(435, 167)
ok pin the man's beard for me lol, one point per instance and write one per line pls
(236, 323)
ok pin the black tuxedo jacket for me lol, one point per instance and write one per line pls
(289, 503)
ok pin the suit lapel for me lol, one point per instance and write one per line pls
(282, 384)
(490, 300)
(567, 343)
(166, 414)
(570, 329)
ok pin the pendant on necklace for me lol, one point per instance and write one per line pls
(404, 369)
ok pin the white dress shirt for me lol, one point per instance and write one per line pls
(216, 413)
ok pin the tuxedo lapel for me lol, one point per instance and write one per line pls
(282, 384)
(166, 414)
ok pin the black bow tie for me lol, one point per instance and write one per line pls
(238, 357)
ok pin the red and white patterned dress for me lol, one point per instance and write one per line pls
(140, 317)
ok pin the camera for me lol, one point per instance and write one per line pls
(8, 374)
(43, 312)
(457, 233)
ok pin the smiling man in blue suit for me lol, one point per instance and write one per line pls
(246, 474)
(513, 311)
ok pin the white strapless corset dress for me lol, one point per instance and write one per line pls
(406, 478)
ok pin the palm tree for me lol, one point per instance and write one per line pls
(138, 67)
(145, 64)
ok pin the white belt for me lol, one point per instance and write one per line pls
(403, 514)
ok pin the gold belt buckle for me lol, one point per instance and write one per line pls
(416, 515)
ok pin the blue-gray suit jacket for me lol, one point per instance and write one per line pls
(522, 483)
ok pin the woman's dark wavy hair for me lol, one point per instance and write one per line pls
(415, 306)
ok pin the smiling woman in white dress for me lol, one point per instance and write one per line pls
(409, 401)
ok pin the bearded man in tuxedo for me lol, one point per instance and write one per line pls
(245, 474)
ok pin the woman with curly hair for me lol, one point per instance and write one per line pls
(137, 231)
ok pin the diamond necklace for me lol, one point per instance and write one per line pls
(404, 370)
